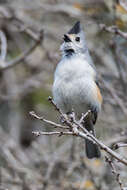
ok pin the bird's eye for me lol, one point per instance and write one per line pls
(77, 39)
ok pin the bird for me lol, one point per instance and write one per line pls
(75, 85)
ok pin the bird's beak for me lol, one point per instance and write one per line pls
(66, 38)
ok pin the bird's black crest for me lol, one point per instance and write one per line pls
(75, 29)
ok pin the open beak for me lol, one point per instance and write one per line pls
(66, 38)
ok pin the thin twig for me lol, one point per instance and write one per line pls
(114, 30)
(119, 145)
(23, 28)
(105, 148)
(38, 133)
(78, 130)
(32, 113)
(116, 139)
(84, 116)
(23, 56)
(3, 46)
(65, 116)
(102, 146)
(87, 135)
(114, 172)
(64, 8)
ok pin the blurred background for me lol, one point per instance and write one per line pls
(31, 33)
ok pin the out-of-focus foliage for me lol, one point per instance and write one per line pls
(49, 162)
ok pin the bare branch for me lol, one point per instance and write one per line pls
(23, 56)
(3, 46)
(84, 116)
(23, 28)
(116, 139)
(64, 116)
(77, 129)
(32, 113)
(114, 172)
(119, 145)
(38, 133)
(68, 9)
(114, 30)
(104, 147)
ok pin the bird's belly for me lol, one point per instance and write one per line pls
(72, 95)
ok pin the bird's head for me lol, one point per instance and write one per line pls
(74, 41)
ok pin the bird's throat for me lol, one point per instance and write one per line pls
(69, 52)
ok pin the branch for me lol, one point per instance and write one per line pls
(23, 56)
(76, 128)
(104, 147)
(38, 133)
(32, 113)
(116, 139)
(63, 8)
(101, 145)
(23, 28)
(113, 30)
(114, 172)
(64, 116)
(3, 46)
(119, 145)
(84, 116)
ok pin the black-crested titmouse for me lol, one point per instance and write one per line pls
(75, 84)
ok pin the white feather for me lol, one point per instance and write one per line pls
(74, 86)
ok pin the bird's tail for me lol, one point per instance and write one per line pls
(92, 150)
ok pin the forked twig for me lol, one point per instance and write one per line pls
(76, 128)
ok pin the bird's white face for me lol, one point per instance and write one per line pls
(73, 43)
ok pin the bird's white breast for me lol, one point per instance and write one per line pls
(74, 84)
(74, 67)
